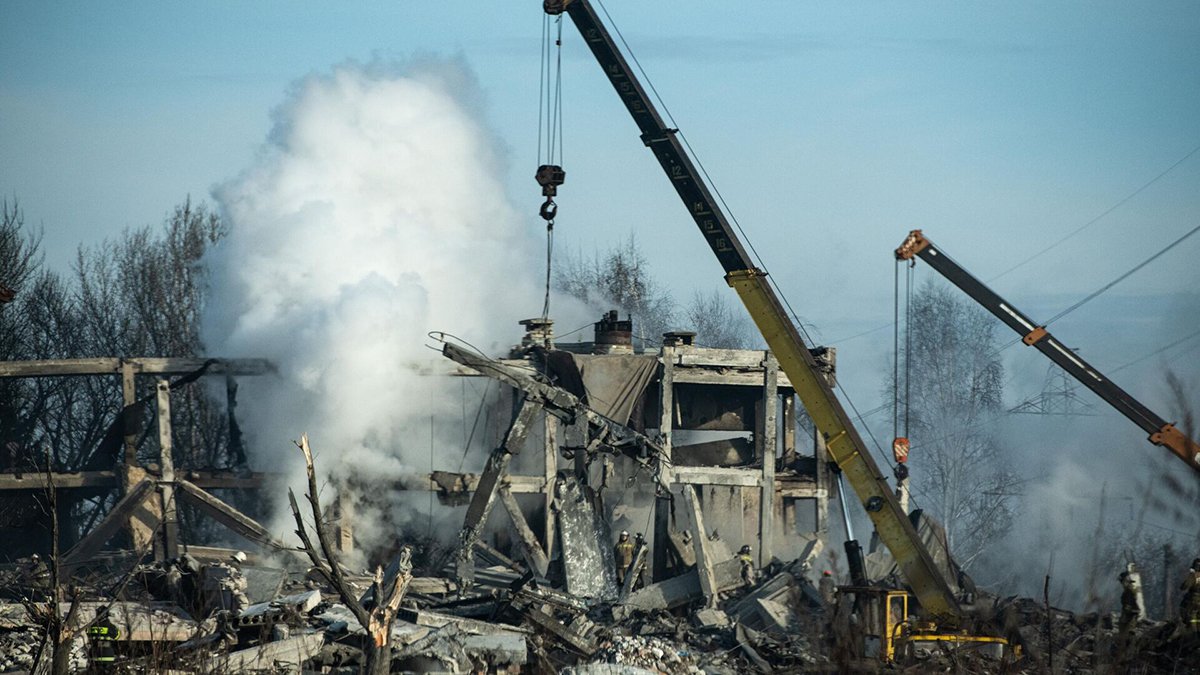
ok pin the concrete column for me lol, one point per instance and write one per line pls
(767, 448)
(824, 484)
(667, 398)
(704, 561)
(789, 429)
(662, 505)
(344, 532)
(550, 446)
(166, 487)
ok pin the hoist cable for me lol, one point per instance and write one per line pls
(542, 58)
(556, 132)
(707, 178)
(550, 114)
(549, 257)
(896, 351)
(907, 346)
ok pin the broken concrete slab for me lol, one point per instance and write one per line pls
(301, 603)
(431, 586)
(710, 618)
(497, 649)
(563, 634)
(770, 616)
(683, 589)
(449, 649)
(14, 616)
(282, 656)
(432, 619)
(605, 669)
(139, 622)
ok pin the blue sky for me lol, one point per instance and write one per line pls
(831, 129)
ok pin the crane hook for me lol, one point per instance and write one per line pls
(549, 209)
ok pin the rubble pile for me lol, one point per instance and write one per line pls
(261, 619)
(1093, 641)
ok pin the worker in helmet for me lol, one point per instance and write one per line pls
(1129, 610)
(828, 588)
(102, 634)
(623, 554)
(747, 560)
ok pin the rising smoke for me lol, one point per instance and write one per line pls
(374, 213)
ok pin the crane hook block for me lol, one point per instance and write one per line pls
(550, 176)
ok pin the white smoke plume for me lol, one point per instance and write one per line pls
(374, 214)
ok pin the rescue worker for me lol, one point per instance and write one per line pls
(623, 553)
(747, 560)
(1189, 604)
(224, 586)
(828, 588)
(101, 635)
(1130, 613)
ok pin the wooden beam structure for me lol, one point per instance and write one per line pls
(209, 480)
(485, 493)
(117, 517)
(141, 365)
(228, 516)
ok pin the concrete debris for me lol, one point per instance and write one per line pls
(587, 555)
(284, 655)
(513, 623)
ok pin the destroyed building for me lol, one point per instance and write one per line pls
(695, 451)
(725, 420)
(617, 434)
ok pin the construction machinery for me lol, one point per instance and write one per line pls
(847, 449)
(1163, 433)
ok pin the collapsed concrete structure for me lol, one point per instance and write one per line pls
(698, 450)
(721, 423)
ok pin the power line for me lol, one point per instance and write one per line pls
(1157, 351)
(1107, 211)
(1121, 278)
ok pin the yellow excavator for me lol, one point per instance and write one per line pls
(940, 620)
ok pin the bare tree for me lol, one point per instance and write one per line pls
(386, 593)
(621, 279)
(141, 294)
(19, 263)
(955, 383)
(58, 627)
(718, 322)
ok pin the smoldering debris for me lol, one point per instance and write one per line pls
(514, 621)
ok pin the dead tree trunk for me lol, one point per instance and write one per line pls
(387, 590)
(58, 632)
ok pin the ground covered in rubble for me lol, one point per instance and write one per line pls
(192, 615)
